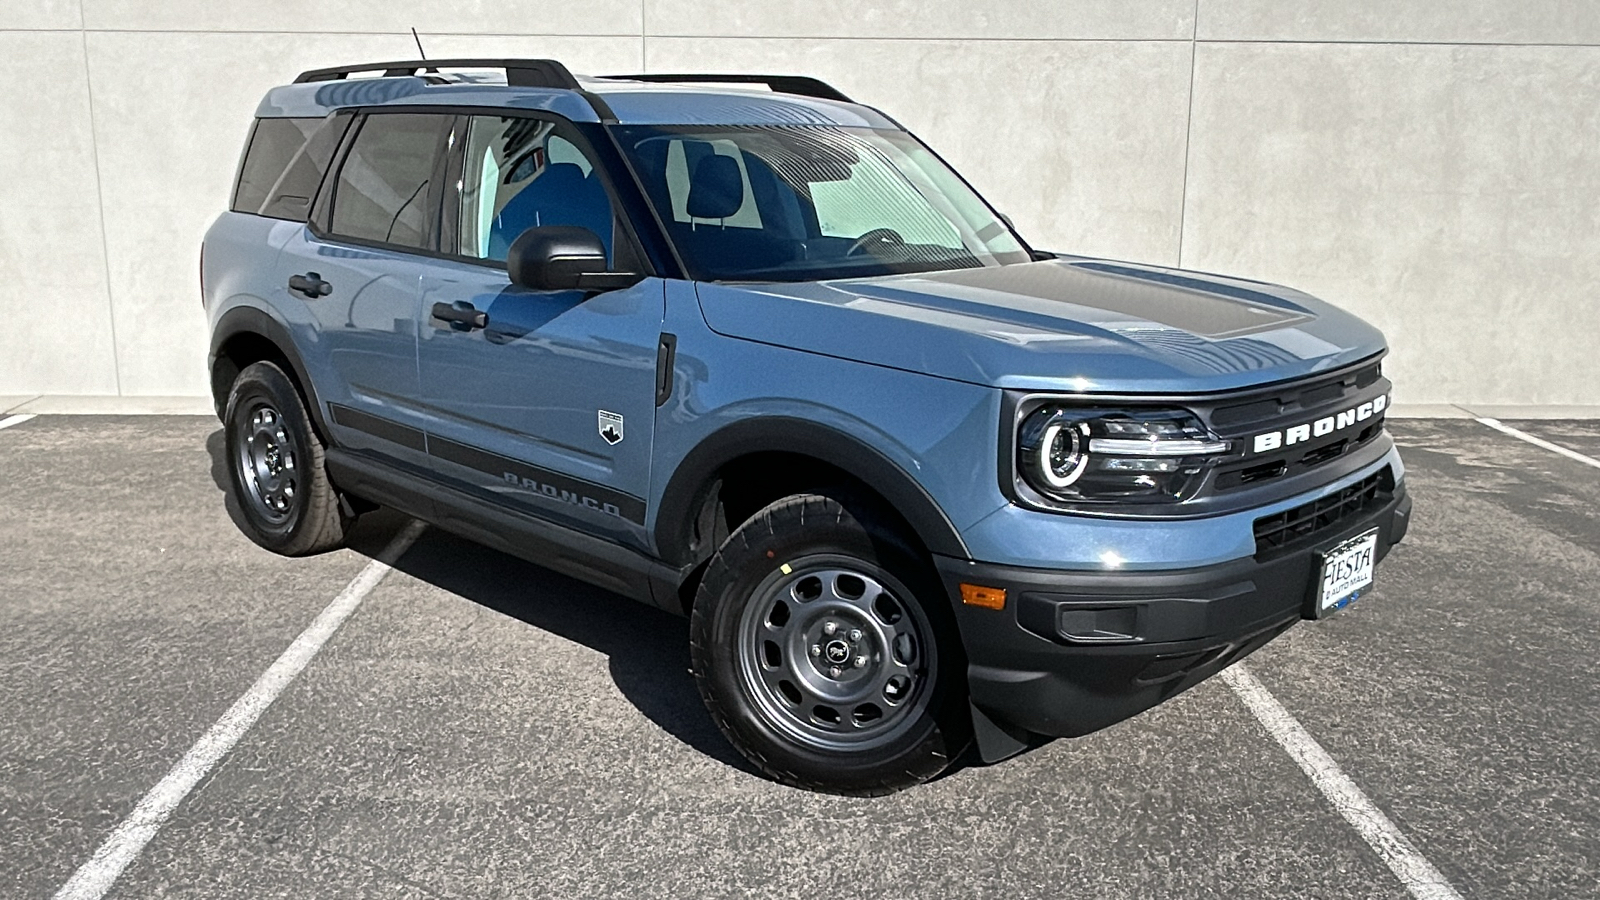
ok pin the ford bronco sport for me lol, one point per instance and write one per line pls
(741, 348)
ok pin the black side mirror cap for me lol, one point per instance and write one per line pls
(563, 258)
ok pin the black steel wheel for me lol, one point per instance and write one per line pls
(266, 462)
(833, 656)
(823, 648)
(276, 470)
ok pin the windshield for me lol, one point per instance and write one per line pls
(804, 203)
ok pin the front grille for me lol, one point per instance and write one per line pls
(1310, 519)
(1297, 403)
(1294, 460)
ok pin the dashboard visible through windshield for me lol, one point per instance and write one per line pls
(804, 203)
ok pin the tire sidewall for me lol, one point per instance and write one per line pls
(744, 563)
(259, 383)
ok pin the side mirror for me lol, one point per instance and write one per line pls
(563, 258)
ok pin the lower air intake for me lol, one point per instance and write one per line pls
(1310, 519)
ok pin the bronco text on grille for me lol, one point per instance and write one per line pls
(1326, 425)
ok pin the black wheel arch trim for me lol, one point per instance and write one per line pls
(695, 478)
(249, 320)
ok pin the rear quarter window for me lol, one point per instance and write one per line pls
(284, 165)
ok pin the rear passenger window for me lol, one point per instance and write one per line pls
(273, 146)
(383, 192)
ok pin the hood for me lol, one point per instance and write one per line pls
(1068, 324)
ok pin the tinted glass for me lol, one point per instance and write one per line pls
(274, 143)
(519, 173)
(382, 193)
(291, 196)
(806, 203)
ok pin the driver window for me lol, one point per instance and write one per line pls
(519, 173)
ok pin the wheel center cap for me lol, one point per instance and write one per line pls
(836, 651)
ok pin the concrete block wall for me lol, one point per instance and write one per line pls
(1434, 167)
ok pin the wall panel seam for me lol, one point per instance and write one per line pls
(1377, 43)
(836, 37)
(1575, 45)
(332, 33)
(100, 200)
(613, 34)
(1188, 132)
(900, 39)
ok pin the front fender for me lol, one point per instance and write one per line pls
(696, 475)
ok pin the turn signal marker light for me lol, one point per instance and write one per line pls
(986, 597)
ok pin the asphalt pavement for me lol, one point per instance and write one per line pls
(481, 727)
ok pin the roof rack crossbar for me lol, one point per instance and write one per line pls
(804, 85)
(545, 73)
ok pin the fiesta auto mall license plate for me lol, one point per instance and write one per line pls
(1346, 572)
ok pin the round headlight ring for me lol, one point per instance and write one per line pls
(1063, 453)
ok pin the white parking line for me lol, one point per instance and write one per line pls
(1404, 860)
(9, 421)
(1498, 425)
(96, 876)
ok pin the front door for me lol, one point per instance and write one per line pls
(549, 406)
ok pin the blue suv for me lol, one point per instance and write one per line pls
(746, 350)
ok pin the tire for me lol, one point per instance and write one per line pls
(275, 467)
(826, 652)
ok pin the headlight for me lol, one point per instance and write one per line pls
(1073, 455)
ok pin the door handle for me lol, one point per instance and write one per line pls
(461, 315)
(310, 284)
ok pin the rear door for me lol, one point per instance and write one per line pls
(550, 406)
(356, 271)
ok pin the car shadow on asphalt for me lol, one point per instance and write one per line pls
(216, 446)
(647, 648)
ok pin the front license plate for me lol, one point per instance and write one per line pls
(1346, 572)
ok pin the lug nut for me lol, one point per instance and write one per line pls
(816, 649)
(860, 661)
(855, 635)
(835, 672)
(829, 628)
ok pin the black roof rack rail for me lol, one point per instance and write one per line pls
(804, 85)
(545, 73)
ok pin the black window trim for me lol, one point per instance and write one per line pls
(238, 174)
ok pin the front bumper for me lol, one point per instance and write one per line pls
(1073, 652)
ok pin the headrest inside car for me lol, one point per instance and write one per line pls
(716, 190)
